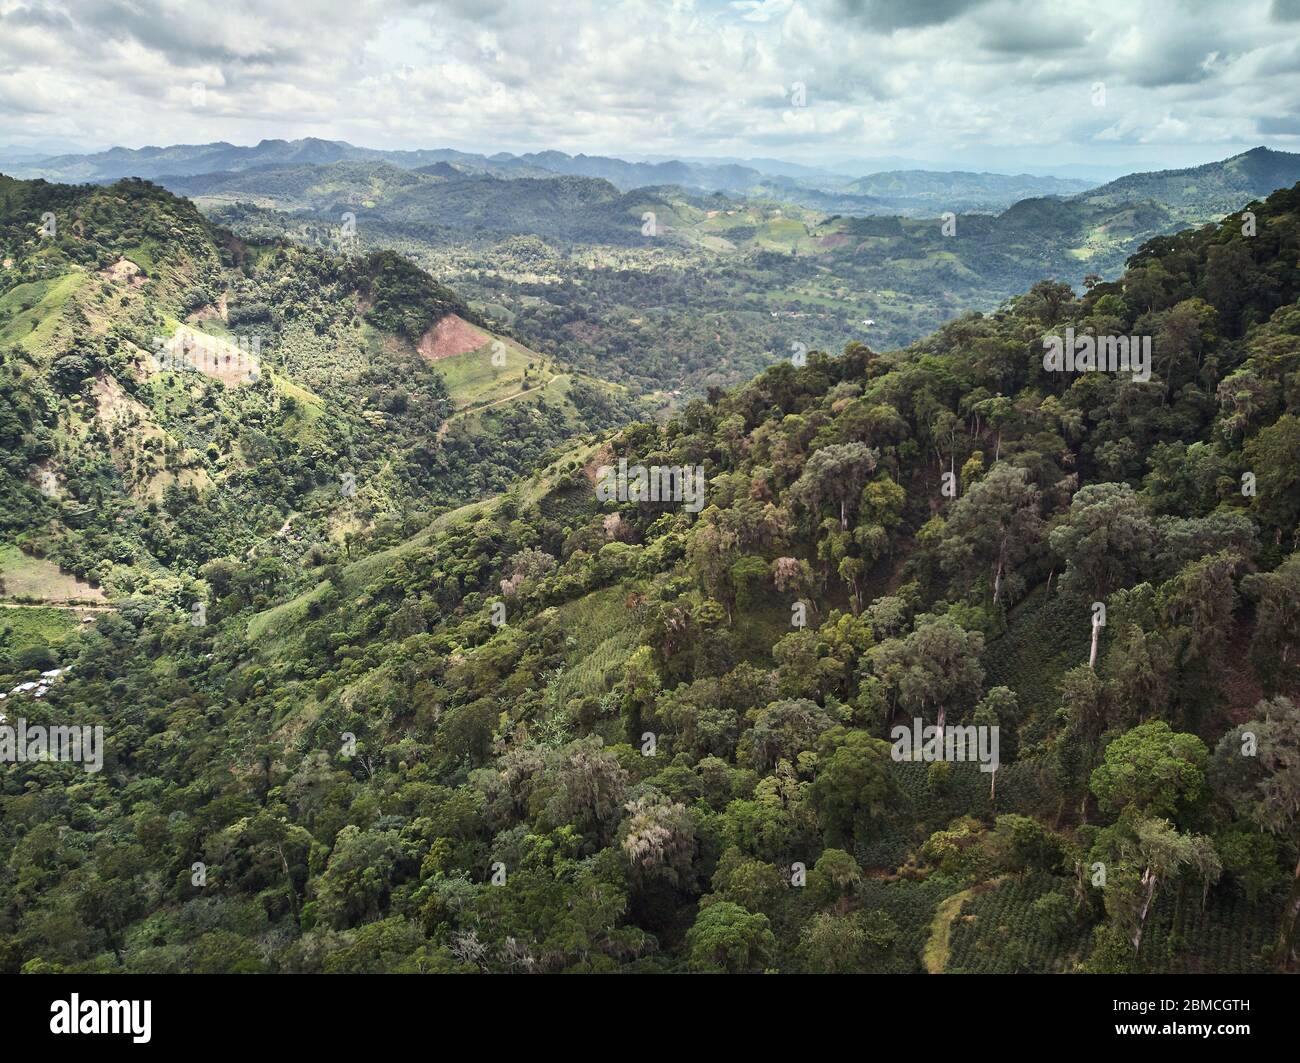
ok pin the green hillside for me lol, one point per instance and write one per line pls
(171, 395)
(547, 732)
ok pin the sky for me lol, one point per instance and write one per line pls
(1004, 85)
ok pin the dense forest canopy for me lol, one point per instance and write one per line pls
(544, 732)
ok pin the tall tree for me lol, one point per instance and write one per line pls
(994, 526)
(835, 475)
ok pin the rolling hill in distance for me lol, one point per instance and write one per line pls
(990, 190)
(728, 282)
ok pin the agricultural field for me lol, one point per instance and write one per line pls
(24, 578)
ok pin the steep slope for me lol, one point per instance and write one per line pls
(1200, 191)
(556, 731)
(172, 394)
(959, 186)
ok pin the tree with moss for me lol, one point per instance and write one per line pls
(1106, 540)
(993, 528)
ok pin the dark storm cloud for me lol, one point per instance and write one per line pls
(36, 16)
(890, 15)
(1021, 33)
(161, 27)
(1181, 58)
(1286, 125)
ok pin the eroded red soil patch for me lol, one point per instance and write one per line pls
(451, 336)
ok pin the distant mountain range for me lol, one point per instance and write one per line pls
(903, 192)
(530, 194)
(440, 196)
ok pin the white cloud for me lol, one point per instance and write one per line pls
(761, 10)
(996, 82)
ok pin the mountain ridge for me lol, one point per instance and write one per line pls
(154, 162)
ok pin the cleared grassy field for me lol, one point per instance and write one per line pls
(473, 379)
(24, 578)
(279, 621)
(939, 946)
(308, 407)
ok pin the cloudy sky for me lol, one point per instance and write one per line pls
(998, 84)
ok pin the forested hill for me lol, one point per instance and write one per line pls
(555, 734)
(441, 206)
(719, 286)
(1215, 187)
(171, 394)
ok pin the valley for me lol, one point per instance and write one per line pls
(728, 284)
(316, 533)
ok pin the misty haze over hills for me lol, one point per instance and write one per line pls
(822, 189)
